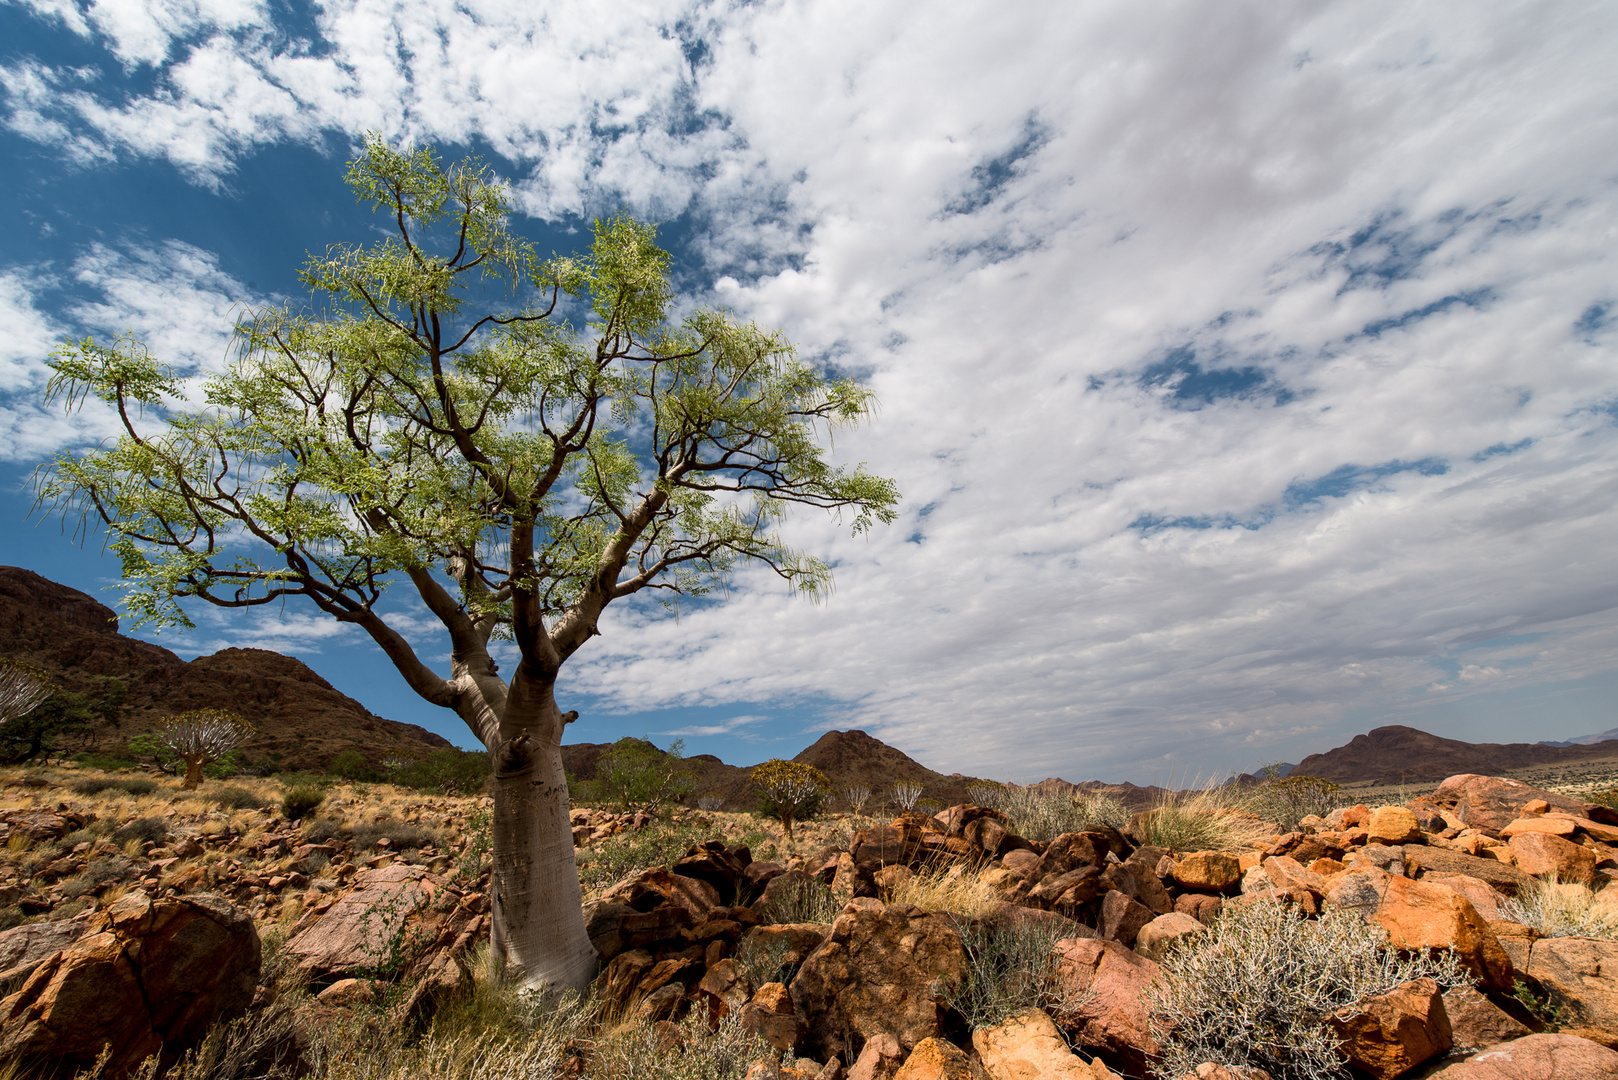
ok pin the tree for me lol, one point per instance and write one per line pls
(26, 720)
(636, 775)
(200, 737)
(519, 472)
(790, 786)
(23, 687)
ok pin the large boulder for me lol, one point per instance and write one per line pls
(1208, 871)
(938, 1059)
(1106, 985)
(366, 928)
(1490, 803)
(719, 866)
(880, 971)
(1536, 1057)
(24, 948)
(1419, 915)
(1475, 1022)
(1542, 854)
(147, 978)
(1581, 975)
(1389, 1034)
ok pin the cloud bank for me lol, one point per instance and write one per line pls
(1247, 370)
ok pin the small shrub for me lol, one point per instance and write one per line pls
(1009, 968)
(1286, 800)
(446, 772)
(301, 801)
(351, 765)
(721, 1053)
(633, 850)
(857, 795)
(764, 960)
(1212, 819)
(985, 793)
(710, 801)
(905, 794)
(401, 837)
(143, 829)
(1256, 989)
(479, 844)
(1542, 1008)
(1042, 815)
(950, 887)
(1607, 798)
(1557, 909)
(802, 902)
(95, 785)
(239, 798)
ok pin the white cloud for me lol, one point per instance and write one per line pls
(1245, 368)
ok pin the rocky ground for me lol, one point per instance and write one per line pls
(348, 944)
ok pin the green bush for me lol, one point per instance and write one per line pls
(1042, 816)
(1287, 800)
(351, 765)
(633, 850)
(95, 785)
(238, 798)
(1256, 989)
(633, 774)
(301, 801)
(446, 771)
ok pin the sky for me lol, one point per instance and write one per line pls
(1247, 369)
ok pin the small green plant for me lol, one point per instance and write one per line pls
(1010, 966)
(1255, 990)
(1286, 800)
(1544, 1009)
(301, 801)
(480, 829)
(709, 801)
(396, 942)
(802, 902)
(351, 765)
(446, 771)
(1607, 798)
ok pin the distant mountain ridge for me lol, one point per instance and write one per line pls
(1397, 754)
(1582, 740)
(303, 721)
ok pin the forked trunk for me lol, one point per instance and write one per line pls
(538, 935)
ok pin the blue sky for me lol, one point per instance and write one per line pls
(1248, 371)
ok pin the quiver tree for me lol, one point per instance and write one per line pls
(905, 794)
(23, 688)
(200, 737)
(519, 441)
(790, 787)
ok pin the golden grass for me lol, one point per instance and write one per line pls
(954, 888)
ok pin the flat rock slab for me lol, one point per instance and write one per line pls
(1537, 1057)
(24, 948)
(357, 931)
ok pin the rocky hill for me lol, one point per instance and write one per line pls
(848, 758)
(1393, 755)
(303, 721)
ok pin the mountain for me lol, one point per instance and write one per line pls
(1395, 755)
(1582, 740)
(303, 721)
(848, 758)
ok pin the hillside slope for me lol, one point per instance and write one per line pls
(1392, 755)
(303, 721)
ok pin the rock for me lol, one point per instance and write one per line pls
(1476, 1022)
(616, 928)
(1210, 1070)
(796, 940)
(891, 878)
(770, 1016)
(661, 1004)
(1285, 872)
(1111, 1013)
(617, 982)
(1477, 892)
(1491, 803)
(40, 825)
(1122, 918)
(991, 837)
(724, 988)
(348, 992)
(879, 1059)
(1536, 1057)
(1500, 877)
(1021, 861)
(24, 948)
(850, 881)
(1079, 886)
(1138, 880)
(1517, 939)
(1029, 1046)
(1581, 976)
(655, 888)
(954, 820)
(1393, 825)
(711, 862)
(1157, 936)
(879, 972)
(937, 1059)
(356, 932)
(147, 976)
(1542, 854)
(782, 895)
(1200, 906)
(1069, 852)
(1389, 1034)
(1419, 915)
(1556, 826)
(885, 845)
(1208, 871)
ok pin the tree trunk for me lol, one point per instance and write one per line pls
(193, 773)
(538, 936)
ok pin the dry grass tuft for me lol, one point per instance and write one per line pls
(1564, 909)
(951, 887)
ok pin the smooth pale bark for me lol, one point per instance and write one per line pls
(538, 936)
(193, 773)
